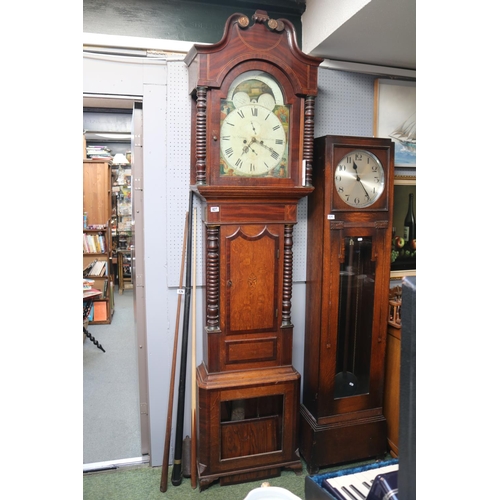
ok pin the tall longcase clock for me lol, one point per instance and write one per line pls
(348, 273)
(252, 151)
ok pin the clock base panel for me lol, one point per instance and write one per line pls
(323, 445)
(247, 424)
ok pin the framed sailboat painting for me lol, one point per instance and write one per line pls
(395, 117)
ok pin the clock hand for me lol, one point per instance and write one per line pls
(246, 148)
(261, 143)
(264, 146)
(359, 180)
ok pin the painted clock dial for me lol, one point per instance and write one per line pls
(254, 129)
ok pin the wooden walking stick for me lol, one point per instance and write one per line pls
(166, 450)
(193, 365)
(181, 395)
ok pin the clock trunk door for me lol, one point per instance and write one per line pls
(353, 373)
(250, 284)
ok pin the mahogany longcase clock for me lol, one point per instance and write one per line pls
(348, 273)
(252, 151)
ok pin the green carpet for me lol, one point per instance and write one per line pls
(143, 483)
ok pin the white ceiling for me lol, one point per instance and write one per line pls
(377, 32)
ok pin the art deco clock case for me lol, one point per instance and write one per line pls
(348, 274)
(252, 151)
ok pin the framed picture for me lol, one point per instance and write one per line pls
(395, 117)
(403, 263)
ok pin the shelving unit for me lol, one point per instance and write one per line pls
(124, 271)
(103, 306)
(97, 205)
(122, 225)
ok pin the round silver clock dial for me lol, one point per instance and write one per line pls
(359, 178)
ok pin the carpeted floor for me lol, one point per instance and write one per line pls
(111, 408)
(143, 483)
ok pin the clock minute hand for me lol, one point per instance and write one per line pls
(359, 180)
(265, 146)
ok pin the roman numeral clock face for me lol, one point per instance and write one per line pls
(254, 128)
(359, 179)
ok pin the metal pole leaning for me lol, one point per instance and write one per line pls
(193, 366)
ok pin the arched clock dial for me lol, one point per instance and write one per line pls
(254, 128)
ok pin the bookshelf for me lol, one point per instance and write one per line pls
(97, 261)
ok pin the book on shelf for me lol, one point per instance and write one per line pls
(88, 284)
(85, 245)
(90, 317)
(93, 293)
(94, 243)
(100, 312)
(104, 269)
(97, 243)
(88, 268)
(98, 268)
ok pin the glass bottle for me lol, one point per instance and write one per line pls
(410, 226)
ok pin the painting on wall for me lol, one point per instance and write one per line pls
(395, 117)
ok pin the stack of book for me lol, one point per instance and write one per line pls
(99, 153)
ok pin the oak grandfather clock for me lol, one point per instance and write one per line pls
(347, 292)
(252, 150)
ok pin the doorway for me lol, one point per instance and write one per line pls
(115, 417)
